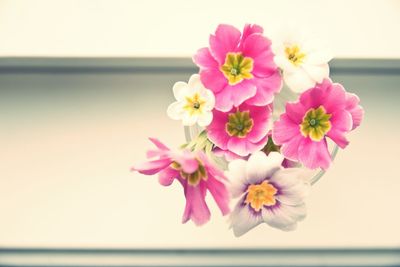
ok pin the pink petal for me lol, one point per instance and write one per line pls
(239, 146)
(204, 59)
(167, 176)
(158, 143)
(335, 98)
(241, 92)
(244, 147)
(220, 194)
(266, 89)
(216, 130)
(258, 48)
(356, 111)
(290, 149)
(223, 100)
(188, 161)
(152, 167)
(295, 112)
(260, 116)
(248, 30)
(226, 39)
(314, 154)
(213, 79)
(284, 130)
(341, 124)
(196, 208)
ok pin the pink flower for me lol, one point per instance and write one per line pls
(196, 174)
(239, 67)
(242, 130)
(325, 111)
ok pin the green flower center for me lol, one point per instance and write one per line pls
(193, 178)
(237, 68)
(239, 124)
(315, 124)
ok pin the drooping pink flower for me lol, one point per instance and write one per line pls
(242, 130)
(239, 67)
(196, 174)
(325, 111)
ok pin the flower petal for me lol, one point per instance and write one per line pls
(152, 167)
(243, 220)
(220, 194)
(261, 167)
(237, 176)
(204, 59)
(167, 176)
(258, 47)
(266, 89)
(299, 80)
(196, 208)
(317, 72)
(179, 90)
(175, 110)
(284, 217)
(314, 154)
(213, 79)
(284, 130)
(226, 39)
(205, 119)
(342, 123)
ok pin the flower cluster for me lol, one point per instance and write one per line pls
(232, 100)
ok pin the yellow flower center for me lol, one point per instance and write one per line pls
(193, 178)
(237, 68)
(239, 124)
(194, 104)
(316, 124)
(259, 195)
(294, 55)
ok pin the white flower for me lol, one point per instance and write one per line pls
(194, 103)
(303, 61)
(267, 193)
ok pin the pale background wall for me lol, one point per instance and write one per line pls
(178, 28)
(67, 141)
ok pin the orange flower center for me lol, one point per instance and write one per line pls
(259, 195)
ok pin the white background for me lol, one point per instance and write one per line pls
(178, 28)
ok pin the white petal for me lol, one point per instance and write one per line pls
(284, 217)
(287, 178)
(180, 90)
(242, 220)
(189, 120)
(195, 82)
(209, 98)
(284, 64)
(317, 51)
(175, 110)
(205, 119)
(295, 195)
(317, 72)
(299, 80)
(261, 166)
(237, 177)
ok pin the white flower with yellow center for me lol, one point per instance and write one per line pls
(194, 103)
(267, 193)
(303, 61)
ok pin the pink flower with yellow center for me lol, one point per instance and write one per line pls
(239, 67)
(242, 130)
(325, 111)
(196, 174)
(267, 193)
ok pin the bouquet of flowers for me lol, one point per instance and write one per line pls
(250, 137)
